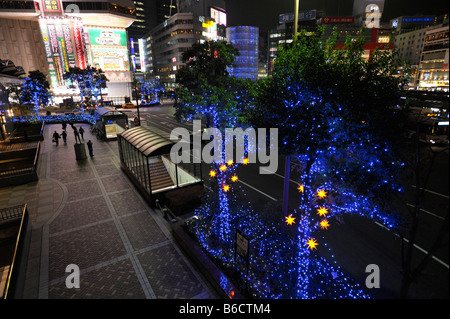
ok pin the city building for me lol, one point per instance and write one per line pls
(52, 36)
(409, 23)
(194, 22)
(375, 38)
(245, 39)
(433, 65)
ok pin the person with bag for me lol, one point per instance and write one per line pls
(56, 138)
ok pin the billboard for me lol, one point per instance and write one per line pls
(110, 59)
(108, 48)
(219, 17)
(107, 37)
(51, 6)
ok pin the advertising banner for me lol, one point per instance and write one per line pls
(107, 37)
(78, 44)
(110, 59)
(68, 44)
(55, 51)
(48, 52)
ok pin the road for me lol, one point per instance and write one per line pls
(355, 242)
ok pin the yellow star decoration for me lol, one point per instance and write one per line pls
(312, 244)
(290, 220)
(226, 188)
(230, 162)
(212, 173)
(245, 161)
(321, 193)
(322, 211)
(234, 178)
(324, 224)
(300, 188)
(222, 168)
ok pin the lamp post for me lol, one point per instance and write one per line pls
(287, 160)
(296, 17)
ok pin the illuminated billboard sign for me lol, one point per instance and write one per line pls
(219, 17)
(107, 37)
(51, 5)
(108, 49)
(110, 59)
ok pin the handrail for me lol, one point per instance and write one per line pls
(19, 236)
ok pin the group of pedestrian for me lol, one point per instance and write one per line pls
(78, 133)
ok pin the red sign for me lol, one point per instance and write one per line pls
(79, 47)
(326, 20)
(51, 5)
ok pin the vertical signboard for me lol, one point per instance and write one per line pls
(48, 52)
(78, 44)
(68, 43)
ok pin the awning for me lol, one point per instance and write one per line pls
(147, 142)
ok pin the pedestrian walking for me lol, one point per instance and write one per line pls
(77, 135)
(91, 151)
(56, 138)
(64, 136)
(64, 125)
(81, 130)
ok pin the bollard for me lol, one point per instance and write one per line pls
(80, 151)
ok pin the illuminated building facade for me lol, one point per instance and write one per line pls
(165, 44)
(245, 39)
(433, 65)
(64, 34)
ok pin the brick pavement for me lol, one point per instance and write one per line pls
(89, 214)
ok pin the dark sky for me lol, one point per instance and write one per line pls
(264, 13)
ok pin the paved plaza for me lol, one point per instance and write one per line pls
(88, 213)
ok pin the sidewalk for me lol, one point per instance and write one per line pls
(89, 214)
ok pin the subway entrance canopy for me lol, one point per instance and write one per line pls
(145, 159)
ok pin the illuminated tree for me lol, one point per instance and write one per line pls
(35, 90)
(89, 81)
(338, 115)
(150, 86)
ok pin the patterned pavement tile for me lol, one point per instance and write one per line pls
(168, 274)
(70, 176)
(115, 183)
(84, 247)
(142, 230)
(114, 281)
(83, 189)
(126, 202)
(107, 169)
(79, 213)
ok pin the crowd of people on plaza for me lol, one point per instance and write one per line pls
(78, 134)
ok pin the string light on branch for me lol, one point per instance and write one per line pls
(324, 224)
(312, 244)
(321, 193)
(222, 168)
(290, 220)
(212, 173)
(322, 211)
(245, 161)
(234, 178)
(226, 188)
(230, 162)
(301, 188)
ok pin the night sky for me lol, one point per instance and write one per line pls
(264, 13)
